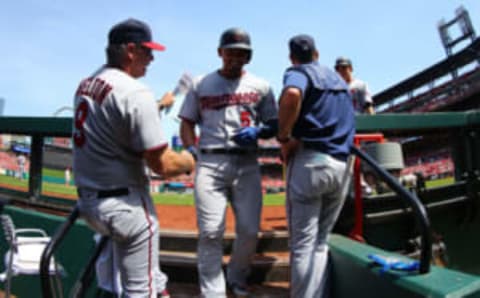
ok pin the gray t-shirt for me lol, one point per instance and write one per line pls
(221, 107)
(116, 121)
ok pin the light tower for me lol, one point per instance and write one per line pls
(462, 19)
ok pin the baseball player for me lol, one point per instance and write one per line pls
(232, 109)
(315, 130)
(362, 100)
(116, 133)
(21, 161)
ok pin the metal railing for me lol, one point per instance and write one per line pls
(50, 248)
(412, 200)
(86, 277)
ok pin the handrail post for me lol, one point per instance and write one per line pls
(50, 248)
(86, 277)
(417, 208)
(357, 231)
(35, 173)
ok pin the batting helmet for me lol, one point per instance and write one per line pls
(343, 61)
(235, 38)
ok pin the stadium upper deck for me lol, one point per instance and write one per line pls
(459, 75)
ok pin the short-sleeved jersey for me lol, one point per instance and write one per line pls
(360, 95)
(116, 121)
(221, 106)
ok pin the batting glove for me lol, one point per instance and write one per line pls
(246, 136)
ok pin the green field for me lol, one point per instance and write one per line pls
(439, 182)
(54, 173)
(169, 198)
(187, 199)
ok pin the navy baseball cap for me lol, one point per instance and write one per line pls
(235, 38)
(302, 46)
(135, 31)
(343, 61)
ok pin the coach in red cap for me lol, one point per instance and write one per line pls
(128, 39)
(134, 31)
(116, 133)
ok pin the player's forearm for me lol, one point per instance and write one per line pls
(187, 133)
(289, 109)
(370, 110)
(166, 101)
(166, 162)
(173, 163)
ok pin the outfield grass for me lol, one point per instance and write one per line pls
(187, 199)
(53, 173)
(46, 187)
(439, 182)
(168, 198)
(13, 181)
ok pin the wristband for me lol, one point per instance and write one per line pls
(283, 140)
(193, 151)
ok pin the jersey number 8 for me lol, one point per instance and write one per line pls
(80, 117)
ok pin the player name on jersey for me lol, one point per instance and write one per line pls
(220, 101)
(95, 88)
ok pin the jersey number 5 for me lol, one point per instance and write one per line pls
(245, 118)
(80, 117)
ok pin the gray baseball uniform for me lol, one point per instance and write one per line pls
(360, 95)
(116, 120)
(226, 172)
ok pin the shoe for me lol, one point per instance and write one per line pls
(238, 290)
(164, 294)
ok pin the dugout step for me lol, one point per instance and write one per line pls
(186, 241)
(268, 267)
(264, 290)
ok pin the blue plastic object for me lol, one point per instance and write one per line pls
(393, 263)
(246, 136)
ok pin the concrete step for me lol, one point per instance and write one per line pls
(265, 290)
(266, 267)
(186, 241)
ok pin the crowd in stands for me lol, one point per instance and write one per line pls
(60, 142)
(440, 96)
(431, 165)
(9, 161)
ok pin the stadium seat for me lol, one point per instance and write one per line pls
(25, 251)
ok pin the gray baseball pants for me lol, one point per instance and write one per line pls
(221, 178)
(314, 201)
(131, 222)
